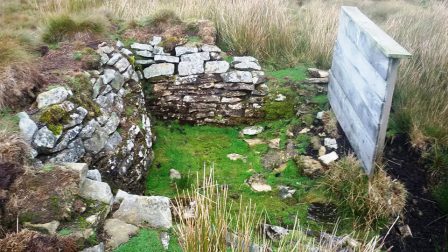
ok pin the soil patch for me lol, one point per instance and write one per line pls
(429, 226)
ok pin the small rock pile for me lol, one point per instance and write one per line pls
(112, 133)
(195, 84)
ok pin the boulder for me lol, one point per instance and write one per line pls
(118, 232)
(53, 96)
(27, 126)
(162, 69)
(96, 190)
(237, 76)
(97, 248)
(217, 67)
(152, 211)
(190, 68)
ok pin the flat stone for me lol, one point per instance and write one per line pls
(230, 99)
(96, 143)
(152, 211)
(49, 228)
(190, 68)
(258, 77)
(238, 59)
(144, 54)
(144, 62)
(44, 139)
(210, 48)
(113, 142)
(235, 156)
(97, 248)
(94, 175)
(114, 59)
(217, 67)
(108, 76)
(237, 76)
(162, 69)
(119, 232)
(27, 126)
(181, 50)
(139, 46)
(126, 52)
(200, 56)
(68, 136)
(252, 130)
(181, 80)
(247, 66)
(53, 96)
(122, 64)
(166, 58)
(329, 158)
(254, 141)
(96, 190)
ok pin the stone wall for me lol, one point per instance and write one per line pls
(193, 83)
(104, 124)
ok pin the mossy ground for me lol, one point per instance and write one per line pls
(148, 238)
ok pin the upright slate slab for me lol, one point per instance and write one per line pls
(362, 82)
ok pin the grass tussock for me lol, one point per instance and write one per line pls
(372, 200)
(208, 224)
(12, 50)
(27, 240)
(64, 27)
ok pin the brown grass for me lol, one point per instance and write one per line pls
(19, 85)
(370, 199)
(13, 148)
(27, 240)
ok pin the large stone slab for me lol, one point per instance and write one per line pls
(217, 67)
(237, 76)
(162, 69)
(53, 96)
(190, 68)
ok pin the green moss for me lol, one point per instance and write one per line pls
(303, 143)
(188, 148)
(148, 239)
(308, 119)
(295, 74)
(77, 56)
(321, 101)
(275, 110)
(54, 117)
(65, 232)
(194, 39)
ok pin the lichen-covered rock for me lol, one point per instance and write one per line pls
(200, 56)
(237, 76)
(162, 69)
(152, 211)
(217, 67)
(27, 126)
(96, 190)
(44, 140)
(190, 68)
(181, 50)
(53, 96)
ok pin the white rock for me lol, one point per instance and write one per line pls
(304, 131)
(190, 68)
(144, 62)
(156, 40)
(96, 190)
(145, 54)
(143, 47)
(252, 130)
(94, 175)
(165, 239)
(258, 77)
(122, 65)
(181, 50)
(235, 156)
(331, 143)
(126, 52)
(280, 98)
(244, 59)
(247, 66)
(217, 67)
(165, 58)
(200, 56)
(79, 168)
(97, 248)
(152, 211)
(118, 232)
(120, 196)
(27, 126)
(53, 96)
(320, 115)
(328, 158)
(237, 76)
(175, 174)
(210, 48)
(162, 69)
(44, 139)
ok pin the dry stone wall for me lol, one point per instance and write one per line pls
(195, 84)
(112, 133)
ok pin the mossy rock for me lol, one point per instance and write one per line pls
(55, 117)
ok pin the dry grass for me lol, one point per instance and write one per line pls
(371, 200)
(13, 148)
(27, 240)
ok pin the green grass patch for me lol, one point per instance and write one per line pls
(294, 74)
(189, 148)
(148, 240)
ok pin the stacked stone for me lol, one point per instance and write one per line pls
(117, 141)
(196, 85)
